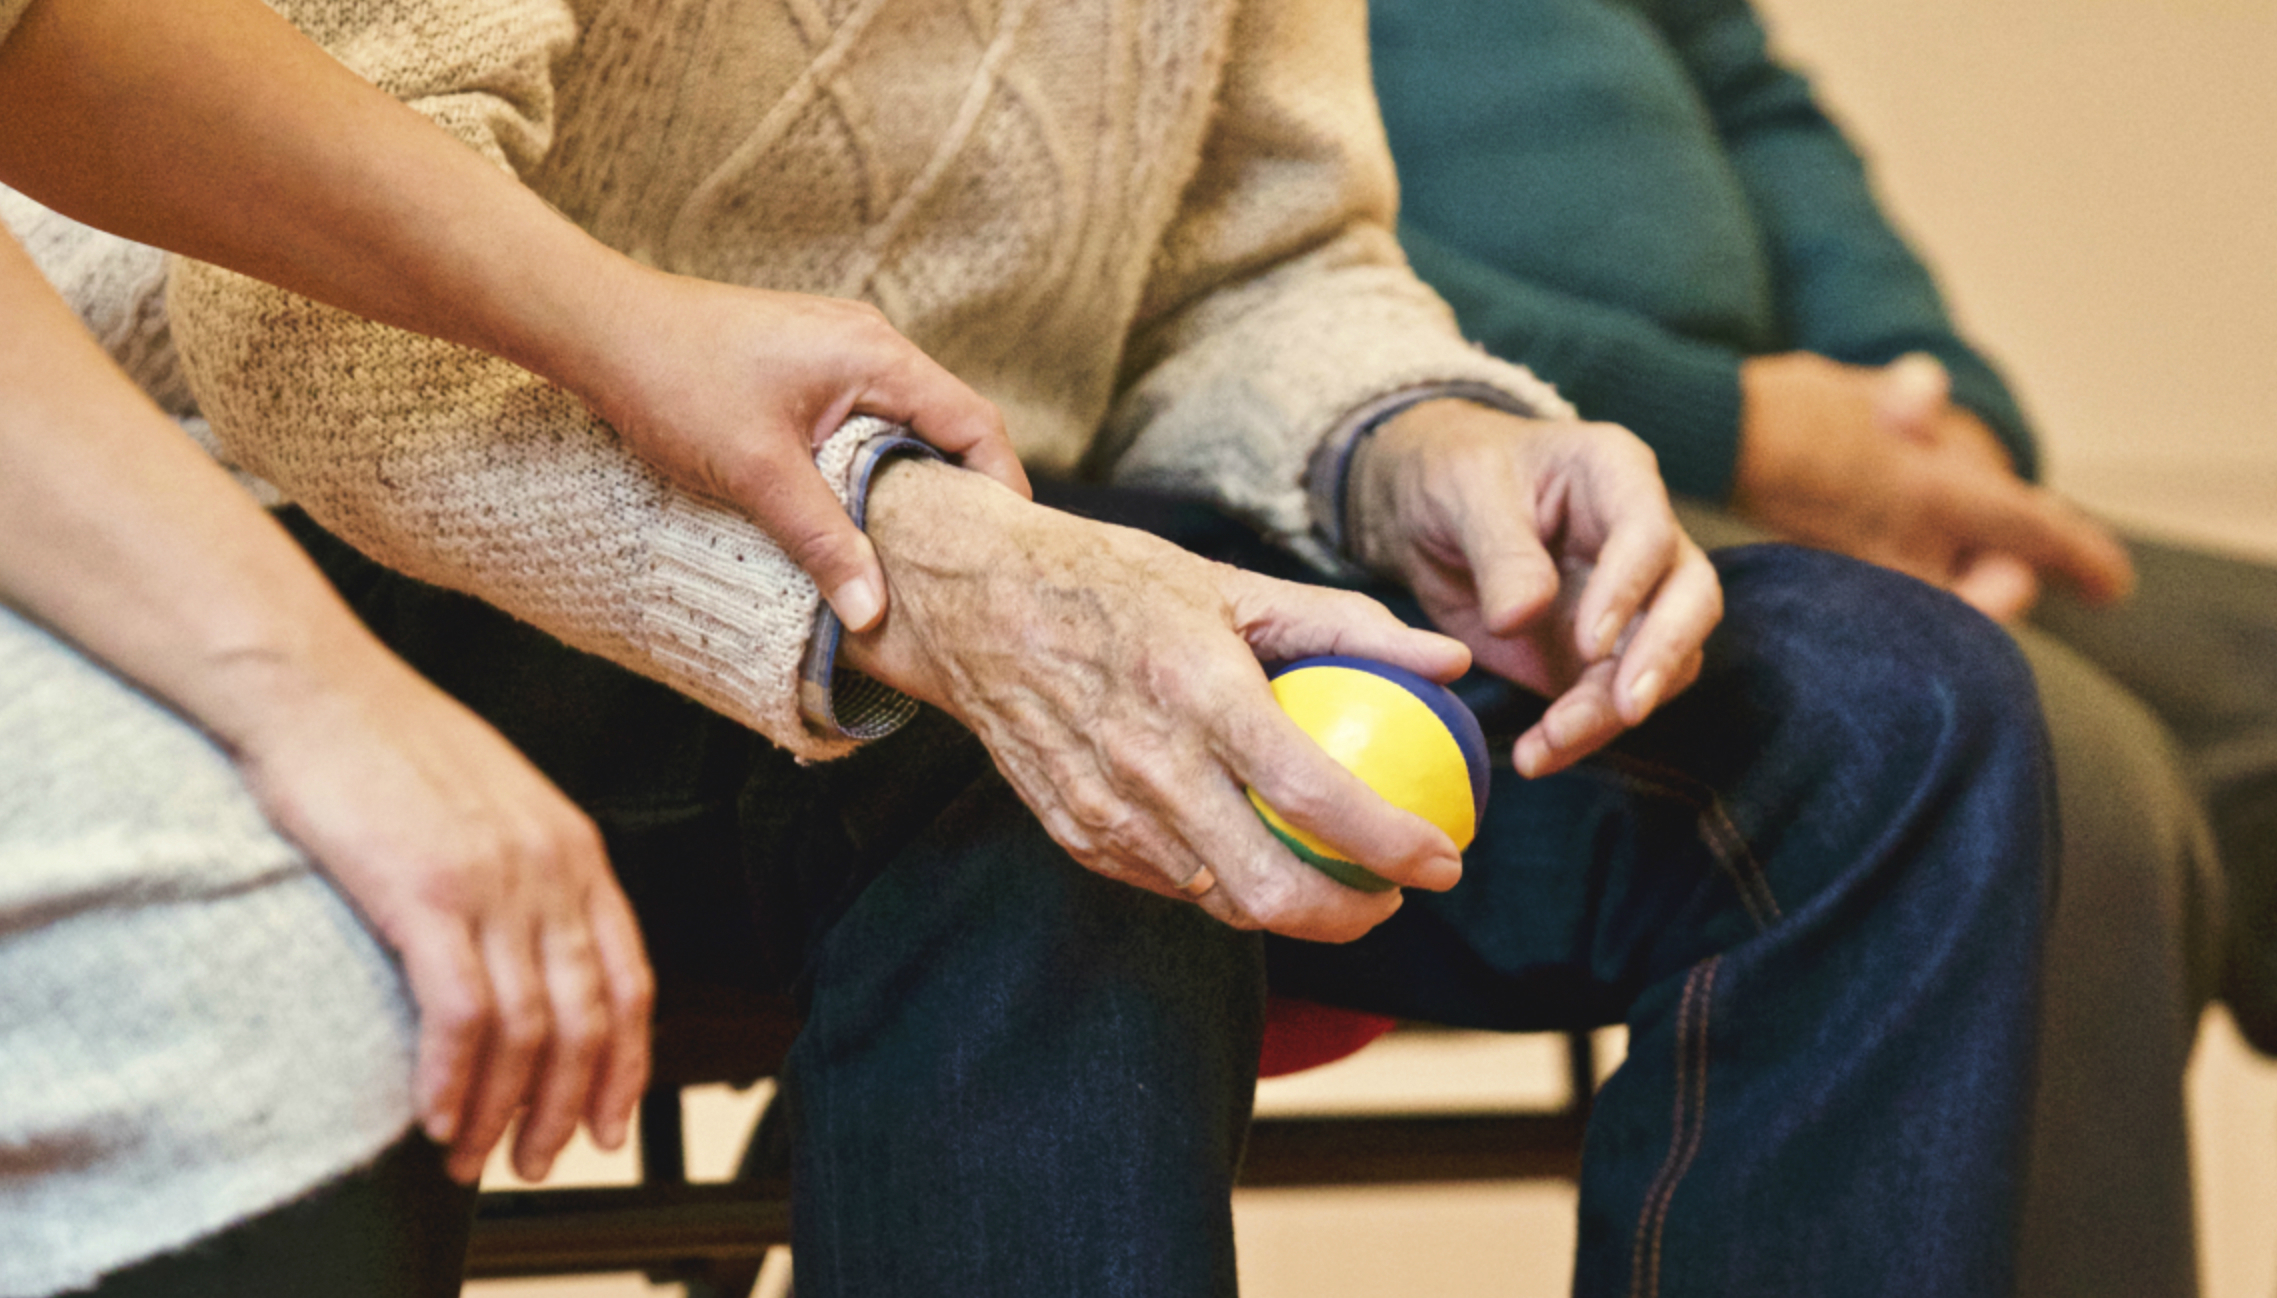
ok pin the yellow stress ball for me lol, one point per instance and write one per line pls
(1408, 737)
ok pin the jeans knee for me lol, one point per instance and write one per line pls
(1878, 659)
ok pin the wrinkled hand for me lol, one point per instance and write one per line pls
(1881, 465)
(1115, 679)
(728, 391)
(1551, 550)
(522, 954)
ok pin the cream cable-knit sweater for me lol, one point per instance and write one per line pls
(1156, 232)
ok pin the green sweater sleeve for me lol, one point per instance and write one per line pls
(1846, 284)
(1679, 394)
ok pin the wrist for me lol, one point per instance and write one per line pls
(249, 684)
(848, 699)
(587, 324)
(1375, 489)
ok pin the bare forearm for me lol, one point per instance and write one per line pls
(214, 129)
(116, 530)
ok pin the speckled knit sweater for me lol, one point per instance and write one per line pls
(1156, 232)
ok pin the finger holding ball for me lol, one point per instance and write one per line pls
(1406, 736)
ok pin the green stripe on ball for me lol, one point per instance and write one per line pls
(1337, 868)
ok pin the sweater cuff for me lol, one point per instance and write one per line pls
(1328, 476)
(1979, 391)
(841, 703)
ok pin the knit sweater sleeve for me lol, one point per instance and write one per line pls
(468, 472)
(1848, 285)
(1279, 303)
(1680, 394)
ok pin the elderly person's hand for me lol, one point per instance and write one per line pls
(1550, 549)
(1879, 464)
(1115, 679)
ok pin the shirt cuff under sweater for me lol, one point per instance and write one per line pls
(837, 702)
(1328, 477)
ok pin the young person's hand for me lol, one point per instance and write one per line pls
(728, 391)
(522, 953)
(1551, 550)
(215, 129)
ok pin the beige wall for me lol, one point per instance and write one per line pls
(2097, 179)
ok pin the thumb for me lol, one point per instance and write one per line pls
(2000, 586)
(798, 510)
(1910, 393)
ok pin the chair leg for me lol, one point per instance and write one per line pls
(766, 1157)
(1581, 1072)
(663, 1143)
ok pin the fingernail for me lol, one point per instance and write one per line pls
(611, 1136)
(1644, 691)
(1528, 756)
(858, 603)
(442, 1127)
(1601, 639)
(1568, 725)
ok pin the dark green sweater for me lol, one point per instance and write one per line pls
(1630, 196)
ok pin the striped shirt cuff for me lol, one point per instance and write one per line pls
(1328, 477)
(839, 702)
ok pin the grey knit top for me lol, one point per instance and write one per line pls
(194, 1027)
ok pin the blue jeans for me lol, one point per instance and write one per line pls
(1813, 889)
(1813, 886)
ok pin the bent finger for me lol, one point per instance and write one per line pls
(1261, 883)
(523, 1022)
(1576, 724)
(563, 1077)
(1325, 810)
(2045, 531)
(1672, 630)
(2000, 586)
(1513, 574)
(452, 992)
(1641, 551)
(630, 985)
(1282, 621)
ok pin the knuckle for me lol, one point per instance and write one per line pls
(581, 1034)
(451, 886)
(1271, 899)
(461, 1011)
(574, 835)
(634, 995)
(523, 1023)
(1094, 806)
(1307, 802)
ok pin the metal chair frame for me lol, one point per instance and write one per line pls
(713, 1237)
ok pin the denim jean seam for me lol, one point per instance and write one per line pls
(1684, 1138)
(1734, 857)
